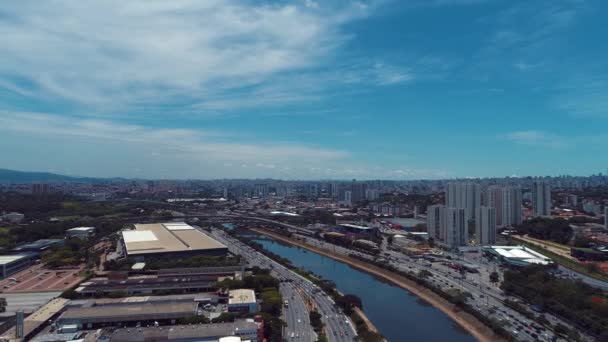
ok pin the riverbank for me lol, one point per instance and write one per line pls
(468, 322)
(370, 326)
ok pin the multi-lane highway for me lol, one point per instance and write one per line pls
(297, 290)
(487, 298)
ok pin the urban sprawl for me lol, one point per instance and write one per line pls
(508, 259)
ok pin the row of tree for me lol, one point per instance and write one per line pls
(556, 230)
(585, 306)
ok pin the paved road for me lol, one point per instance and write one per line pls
(487, 297)
(337, 326)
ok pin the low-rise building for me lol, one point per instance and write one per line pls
(12, 217)
(239, 330)
(242, 300)
(11, 264)
(354, 231)
(144, 313)
(175, 239)
(517, 256)
(37, 247)
(82, 233)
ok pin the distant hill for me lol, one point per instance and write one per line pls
(14, 176)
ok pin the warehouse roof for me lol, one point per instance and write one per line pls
(204, 332)
(166, 237)
(122, 311)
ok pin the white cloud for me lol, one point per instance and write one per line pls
(111, 54)
(103, 148)
(536, 138)
(388, 75)
(185, 143)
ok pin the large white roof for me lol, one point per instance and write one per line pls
(138, 236)
(6, 259)
(178, 226)
(521, 253)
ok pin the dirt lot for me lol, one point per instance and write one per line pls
(38, 279)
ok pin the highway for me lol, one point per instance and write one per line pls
(296, 288)
(487, 298)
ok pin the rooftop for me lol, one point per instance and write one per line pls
(166, 237)
(7, 259)
(522, 254)
(124, 310)
(203, 332)
(81, 229)
(242, 296)
(350, 225)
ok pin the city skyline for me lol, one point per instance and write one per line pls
(312, 90)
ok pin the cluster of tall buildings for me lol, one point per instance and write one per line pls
(469, 207)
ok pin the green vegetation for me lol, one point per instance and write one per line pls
(267, 288)
(581, 304)
(556, 230)
(194, 319)
(224, 317)
(71, 253)
(315, 321)
(569, 263)
(272, 301)
(423, 274)
(348, 302)
(494, 277)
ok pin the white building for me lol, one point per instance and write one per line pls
(511, 206)
(13, 217)
(435, 222)
(372, 194)
(82, 233)
(495, 199)
(348, 197)
(464, 195)
(485, 226)
(243, 301)
(456, 227)
(541, 199)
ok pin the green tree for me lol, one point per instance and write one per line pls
(315, 320)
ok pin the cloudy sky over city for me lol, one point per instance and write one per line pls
(304, 89)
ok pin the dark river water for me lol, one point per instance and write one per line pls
(399, 315)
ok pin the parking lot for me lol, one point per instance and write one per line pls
(38, 279)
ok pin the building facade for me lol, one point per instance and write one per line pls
(435, 222)
(511, 206)
(466, 196)
(485, 226)
(541, 199)
(456, 227)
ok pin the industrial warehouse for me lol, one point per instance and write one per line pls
(174, 239)
(124, 313)
(182, 280)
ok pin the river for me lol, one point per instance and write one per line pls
(399, 315)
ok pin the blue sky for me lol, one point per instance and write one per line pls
(304, 89)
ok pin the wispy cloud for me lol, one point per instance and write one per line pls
(115, 55)
(138, 151)
(536, 138)
(194, 144)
